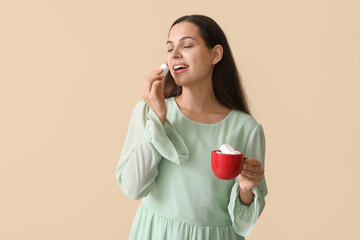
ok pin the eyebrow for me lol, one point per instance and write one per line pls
(182, 39)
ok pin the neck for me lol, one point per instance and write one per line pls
(198, 99)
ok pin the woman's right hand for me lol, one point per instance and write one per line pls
(152, 93)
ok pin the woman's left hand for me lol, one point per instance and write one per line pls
(251, 174)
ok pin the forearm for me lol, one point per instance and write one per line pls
(246, 197)
(139, 171)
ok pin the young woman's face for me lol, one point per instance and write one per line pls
(189, 59)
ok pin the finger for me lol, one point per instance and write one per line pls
(250, 181)
(252, 168)
(150, 79)
(157, 88)
(252, 161)
(252, 165)
(160, 70)
(156, 93)
(157, 72)
(250, 174)
(247, 178)
(243, 177)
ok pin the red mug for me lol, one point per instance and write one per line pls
(226, 166)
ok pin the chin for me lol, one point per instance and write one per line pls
(182, 81)
(179, 82)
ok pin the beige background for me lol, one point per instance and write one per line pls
(71, 72)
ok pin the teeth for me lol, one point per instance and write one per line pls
(179, 66)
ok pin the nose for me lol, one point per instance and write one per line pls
(176, 53)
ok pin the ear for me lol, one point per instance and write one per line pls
(217, 53)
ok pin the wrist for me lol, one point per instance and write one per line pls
(246, 196)
(162, 118)
(245, 191)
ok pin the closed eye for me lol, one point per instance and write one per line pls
(170, 50)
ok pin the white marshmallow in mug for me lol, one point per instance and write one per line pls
(235, 152)
(166, 69)
(227, 149)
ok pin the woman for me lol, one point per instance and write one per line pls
(197, 107)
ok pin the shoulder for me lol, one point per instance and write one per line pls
(248, 126)
(244, 119)
(245, 123)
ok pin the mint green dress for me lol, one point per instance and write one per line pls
(169, 167)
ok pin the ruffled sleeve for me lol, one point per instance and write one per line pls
(242, 216)
(165, 140)
(148, 141)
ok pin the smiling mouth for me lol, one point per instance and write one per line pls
(180, 68)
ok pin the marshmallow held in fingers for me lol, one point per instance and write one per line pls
(166, 69)
(227, 149)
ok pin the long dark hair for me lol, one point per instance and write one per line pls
(226, 78)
